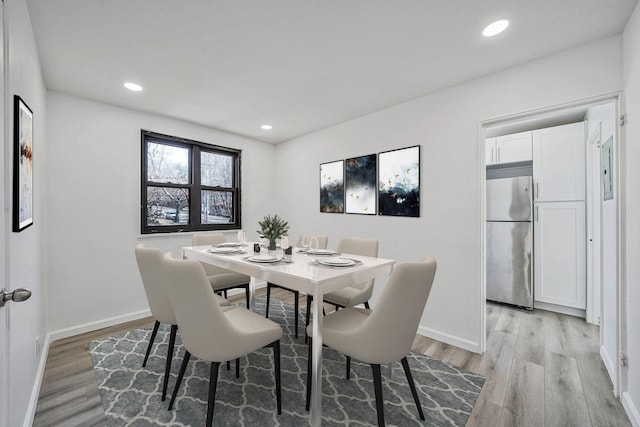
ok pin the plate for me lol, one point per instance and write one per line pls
(223, 250)
(264, 258)
(320, 251)
(229, 245)
(336, 262)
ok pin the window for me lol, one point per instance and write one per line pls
(188, 185)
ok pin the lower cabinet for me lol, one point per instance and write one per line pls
(560, 254)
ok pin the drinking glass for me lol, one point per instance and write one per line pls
(284, 242)
(313, 244)
(242, 236)
(306, 241)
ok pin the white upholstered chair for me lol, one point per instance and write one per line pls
(385, 334)
(220, 279)
(322, 244)
(211, 334)
(352, 295)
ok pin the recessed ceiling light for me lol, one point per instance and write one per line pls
(132, 86)
(266, 127)
(495, 28)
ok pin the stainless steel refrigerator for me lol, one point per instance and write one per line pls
(509, 241)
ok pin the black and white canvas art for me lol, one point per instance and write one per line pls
(360, 184)
(332, 187)
(399, 182)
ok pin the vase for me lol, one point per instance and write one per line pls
(272, 247)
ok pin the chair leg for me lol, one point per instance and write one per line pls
(296, 304)
(266, 310)
(377, 385)
(183, 368)
(407, 372)
(366, 305)
(167, 369)
(225, 294)
(348, 367)
(238, 367)
(153, 337)
(306, 337)
(213, 383)
(228, 365)
(246, 291)
(308, 403)
(276, 359)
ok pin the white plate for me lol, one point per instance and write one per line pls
(224, 250)
(264, 258)
(336, 262)
(229, 245)
(320, 251)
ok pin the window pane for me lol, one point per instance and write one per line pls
(216, 170)
(217, 207)
(166, 163)
(163, 203)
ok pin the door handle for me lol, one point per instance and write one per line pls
(18, 295)
(537, 190)
(536, 213)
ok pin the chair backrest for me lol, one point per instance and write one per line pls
(388, 333)
(204, 329)
(201, 239)
(150, 266)
(359, 246)
(322, 240)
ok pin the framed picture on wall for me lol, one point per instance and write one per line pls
(332, 187)
(360, 184)
(22, 165)
(399, 182)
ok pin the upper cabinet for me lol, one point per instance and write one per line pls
(559, 163)
(509, 148)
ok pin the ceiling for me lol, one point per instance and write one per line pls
(299, 65)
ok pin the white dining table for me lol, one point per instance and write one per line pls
(303, 274)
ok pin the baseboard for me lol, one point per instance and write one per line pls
(35, 392)
(576, 312)
(632, 411)
(100, 324)
(450, 339)
(610, 367)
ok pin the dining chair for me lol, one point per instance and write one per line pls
(322, 244)
(385, 334)
(353, 294)
(211, 334)
(221, 280)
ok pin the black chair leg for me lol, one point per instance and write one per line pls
(246, 290)
(238, 367)
(366, 305)
(183, 368)
(348, 367)
(266, 312)
(276, 360)
(228, 365)
(296, 304)
(153, 337)
(407, 372)
(377, 385)
(167, 369)
(306, 337)
(213, 382)
(308, 403)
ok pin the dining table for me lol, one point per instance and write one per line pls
(314, 274)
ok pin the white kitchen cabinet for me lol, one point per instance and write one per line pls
(559, 163)
(560, 254)
(512, 148)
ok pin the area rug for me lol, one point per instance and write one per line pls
(131, 394)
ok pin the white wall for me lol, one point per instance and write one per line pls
(27, 319)
(446, 125)
(631, 231)
(93, 206)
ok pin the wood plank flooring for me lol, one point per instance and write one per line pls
(542, 369)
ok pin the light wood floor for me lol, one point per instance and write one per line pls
(542, 369)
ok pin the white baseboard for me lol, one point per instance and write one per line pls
(610, 366)
(35, 392)
(99, 324)
(576, 312)
(450, 339)
(632, 411)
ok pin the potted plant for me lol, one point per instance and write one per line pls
(272, 228)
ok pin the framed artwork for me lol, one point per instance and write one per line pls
(399, 182)
(360, 185)
(22, 165)
(332, 187)
(607, 168)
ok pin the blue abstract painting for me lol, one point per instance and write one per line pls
(360, 184)
(399, 182)
(332, 187)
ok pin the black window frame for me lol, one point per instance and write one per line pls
(194, 185)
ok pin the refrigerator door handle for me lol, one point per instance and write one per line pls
(537, 190)
(536, 213)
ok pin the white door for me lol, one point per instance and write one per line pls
(4, 277)
(559, 163)
(559, 248)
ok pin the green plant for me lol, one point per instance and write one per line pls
(272, 228)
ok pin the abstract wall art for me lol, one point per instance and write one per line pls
(332, 187)
(22, 165)
(399, 182)
(360, 184)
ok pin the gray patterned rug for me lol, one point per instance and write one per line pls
(131, 394)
